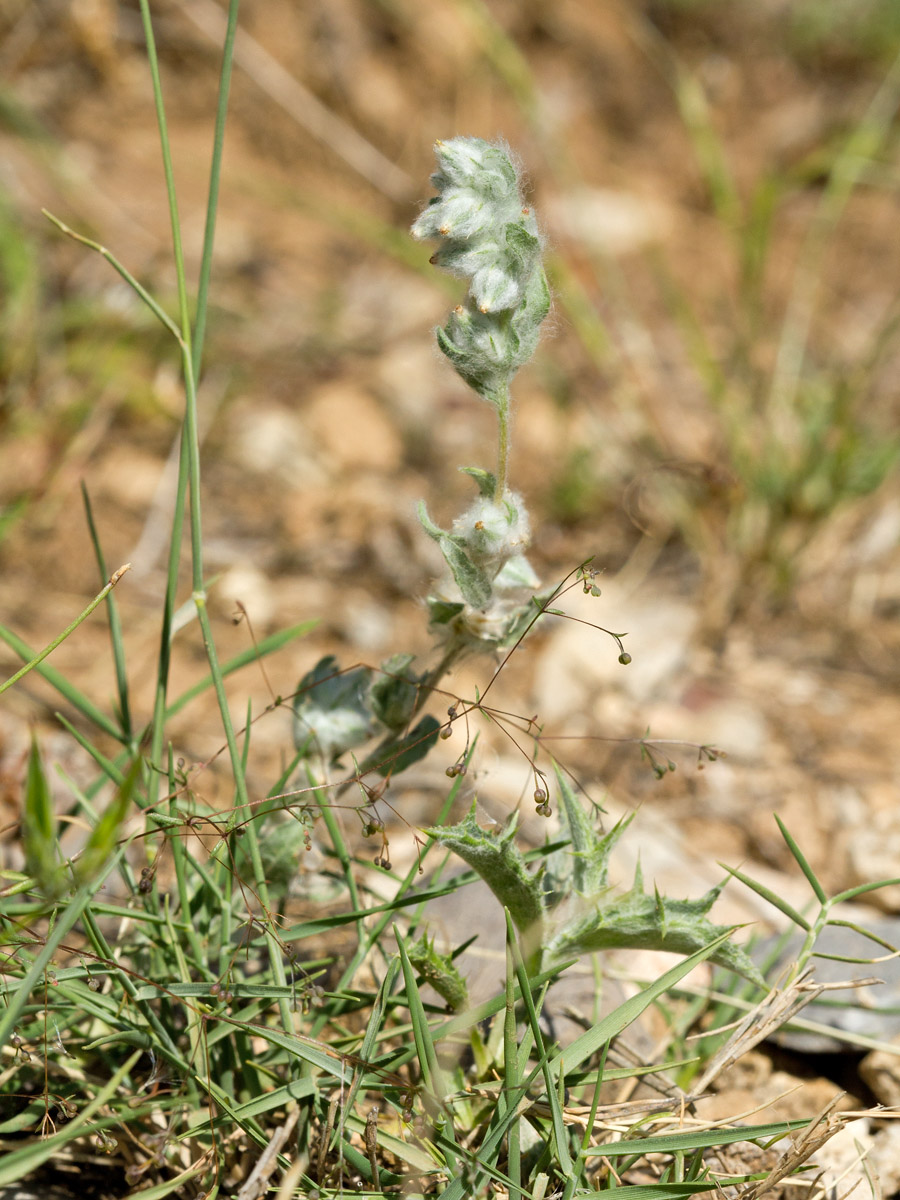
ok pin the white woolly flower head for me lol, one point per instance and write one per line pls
(492, 532)
(486, 234)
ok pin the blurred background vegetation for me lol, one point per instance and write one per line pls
(715, 407)
(718, 186)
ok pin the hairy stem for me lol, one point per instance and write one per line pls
(502, 445)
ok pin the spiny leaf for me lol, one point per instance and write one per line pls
(499, 863)
(440, 971)
(589, 855)
(636, 920)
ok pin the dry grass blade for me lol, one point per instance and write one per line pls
(258, 1179)
(773, 1011)
(617, 1116)
(820, 1130)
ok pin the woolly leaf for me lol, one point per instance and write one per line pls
(486, 480)
(331, 712)
(395, 756)
(393, 695)
(473, 583)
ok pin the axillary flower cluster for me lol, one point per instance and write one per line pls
(488, 236)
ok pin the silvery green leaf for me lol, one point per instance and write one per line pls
(516, 573)
(527, 317)
(393, 694)
(401, 752)
(473, 583)
(500, 281)
(492, 531)
(442, 612)
(462, 213)
(498, 861)
(479, 349)
(428, 222)
(331, 711)
(433, 531)
(495, 287)
(486, 480)
(488, 236)
(522, 243)
(465, 258)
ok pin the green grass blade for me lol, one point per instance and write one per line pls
(861, 889)
(164, 655)
(552, 1082)
(115, 624)
(212, 203)
(708, 149)
(864, 933)
(593, 1040)
(106, 765)
(670, 1143)
(176, 1185)
(39, 826)
(117, 266)
(772, 897)
(802, 862)
(432, 1076)
(103, 837)
(661, 1191)
(369, 1043)
(65, 922)
(511, 1066)
(306, 1052)
(267, 646)
(168, 171)
(405, 1151)
(297, 1089)
(76, 698)
(38, 658)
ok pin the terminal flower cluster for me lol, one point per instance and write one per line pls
(487, 235)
